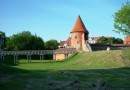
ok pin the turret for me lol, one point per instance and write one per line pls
(79, 34)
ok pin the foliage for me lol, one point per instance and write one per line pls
(2, 36)
(109, 40)
(51, 44)
(36, 43)
(25, 41)
(102, 40)
(118, 41)
(122, 19)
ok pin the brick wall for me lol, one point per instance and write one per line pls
(76, 40)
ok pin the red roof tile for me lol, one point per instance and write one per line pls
(62, 43)
(68, 41)
(127, 38)
(79, 26)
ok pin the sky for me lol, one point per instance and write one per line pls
(54, 19)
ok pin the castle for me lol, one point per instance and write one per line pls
(77, 41)
(80, 41)
(79, 37)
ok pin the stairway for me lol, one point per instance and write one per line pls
(87, 47)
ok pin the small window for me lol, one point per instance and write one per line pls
(75, 37)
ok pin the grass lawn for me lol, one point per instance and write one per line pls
(85, 71)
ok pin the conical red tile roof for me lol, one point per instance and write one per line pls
(79, 26)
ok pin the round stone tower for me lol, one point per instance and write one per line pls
(79, 35)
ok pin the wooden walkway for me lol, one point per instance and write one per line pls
(29, 53)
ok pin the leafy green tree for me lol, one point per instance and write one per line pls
(110, 40)
(51, 44)
(2, 34)
(3, 39)
(102, 40)
(36, 43)
(118, 41)
(122, 19)
(25, 41)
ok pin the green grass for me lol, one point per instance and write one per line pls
(79, 72)
(126, 53)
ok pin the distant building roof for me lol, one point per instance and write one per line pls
(97, 38)
(127, 40)
(62, 43)
(68, 41)
(79, 26)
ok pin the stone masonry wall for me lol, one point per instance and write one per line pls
(76, 40)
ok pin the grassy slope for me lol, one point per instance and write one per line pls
(86, 68)
(98, 59)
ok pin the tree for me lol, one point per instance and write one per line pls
(102, 40)
(25, 41)
(2, 40)
(122, 19)
(110, 40)
(36, 43)
(2, 34)
(118, 41)
(51, 44)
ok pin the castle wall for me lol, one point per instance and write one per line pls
(84, 46)
(76, 40)
(96, 47)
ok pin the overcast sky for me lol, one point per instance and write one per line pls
(54, 19)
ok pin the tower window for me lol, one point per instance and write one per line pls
(75, 37)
